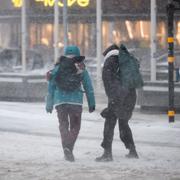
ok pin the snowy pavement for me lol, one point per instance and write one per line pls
(30, 147)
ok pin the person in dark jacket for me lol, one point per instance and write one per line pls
(121, 102)
(69, 103)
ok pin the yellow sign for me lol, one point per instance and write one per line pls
(17, 3)
(50, 3)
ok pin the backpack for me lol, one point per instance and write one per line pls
(128, 72)
(68, 78)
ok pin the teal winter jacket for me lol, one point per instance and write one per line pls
(57, 96)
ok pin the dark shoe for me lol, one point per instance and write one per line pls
(106, 157)
(68, 155)
(132, 154)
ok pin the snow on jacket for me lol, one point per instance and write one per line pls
(57, 96)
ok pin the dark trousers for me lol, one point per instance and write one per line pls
(69, 123)
(121, 112)
(124, 131)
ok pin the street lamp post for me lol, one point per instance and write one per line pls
(170, 14)
(153, 40)
(65, 23)
(23, 35)
(98, 41)
(56, 31)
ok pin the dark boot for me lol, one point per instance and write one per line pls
(106, 157)
(132, 153)
(68, 155)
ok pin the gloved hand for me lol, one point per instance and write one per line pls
(48, 75)
(48, 110)
(105, 113)
(91, 109)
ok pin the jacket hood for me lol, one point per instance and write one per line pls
(110, 48)
(113, 52)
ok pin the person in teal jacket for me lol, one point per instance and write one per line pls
(68, 103)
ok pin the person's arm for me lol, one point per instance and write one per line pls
(51, 89)
(109, 76)
(50, 97)
(87, 85)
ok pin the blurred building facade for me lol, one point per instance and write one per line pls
(122, 21)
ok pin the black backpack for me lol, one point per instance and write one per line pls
(67, 77)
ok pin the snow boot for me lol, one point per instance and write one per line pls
(106, 157)
(132, 153)
(68, 155)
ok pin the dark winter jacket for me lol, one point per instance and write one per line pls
(121, 100)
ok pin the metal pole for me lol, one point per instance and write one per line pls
(170, 14)
(65, 23)
(153, 40)
(56, 31)
(98, 42)
(23, 35)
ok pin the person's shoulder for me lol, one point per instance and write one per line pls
(54, 70)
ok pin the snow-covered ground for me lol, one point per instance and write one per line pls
(30, 147)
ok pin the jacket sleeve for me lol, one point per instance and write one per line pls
(87, 85)
(51, 89)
